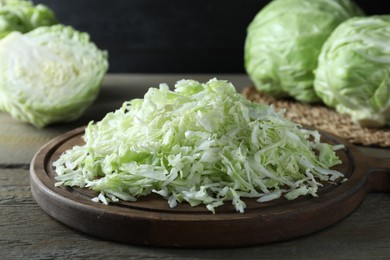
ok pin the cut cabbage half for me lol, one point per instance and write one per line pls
(51, 74)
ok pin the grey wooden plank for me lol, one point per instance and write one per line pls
(19, 141)
(28, 233)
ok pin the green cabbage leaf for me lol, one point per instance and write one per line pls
(284, 40)
(201, 143)
(51, 74)
(353, 73)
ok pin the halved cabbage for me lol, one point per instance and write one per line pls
(51, 74)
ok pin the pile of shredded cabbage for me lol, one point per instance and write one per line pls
(201, 144)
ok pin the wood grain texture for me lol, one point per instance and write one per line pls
(27, 232)
(151, 222)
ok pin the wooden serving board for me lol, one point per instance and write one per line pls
(150, 221)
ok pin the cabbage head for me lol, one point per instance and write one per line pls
(353, 73)
(51, 74)
(23, 16)
(284, 40)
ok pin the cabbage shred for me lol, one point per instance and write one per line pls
(201, 144)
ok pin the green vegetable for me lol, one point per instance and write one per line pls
(51, 74)
(23, 16)
(284, 40)
(353, 73)
(201, 144)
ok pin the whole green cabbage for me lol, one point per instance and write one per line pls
(284, 40)
(353, 73)
(50, 74)
(23, 16)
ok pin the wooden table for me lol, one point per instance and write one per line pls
(26, 232)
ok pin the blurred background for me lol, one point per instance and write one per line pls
(171, 36)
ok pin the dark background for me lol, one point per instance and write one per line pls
(171, 36)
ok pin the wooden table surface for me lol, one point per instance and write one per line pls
(26, 232)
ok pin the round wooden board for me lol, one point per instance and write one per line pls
(150, 221)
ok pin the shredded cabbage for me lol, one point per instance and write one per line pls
(201, 144)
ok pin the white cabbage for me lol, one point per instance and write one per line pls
(353, 73)
(51, 74)
(284, 40)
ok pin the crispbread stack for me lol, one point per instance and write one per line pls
(324, 118)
